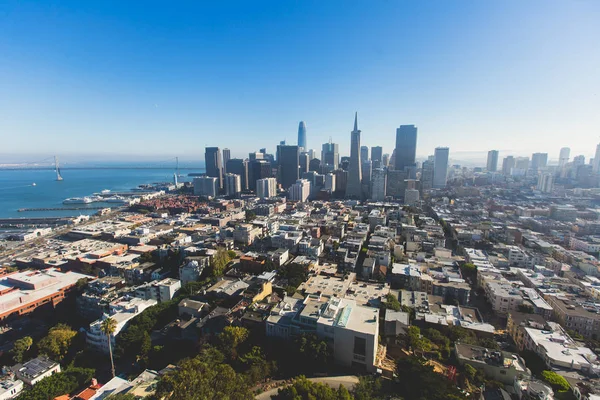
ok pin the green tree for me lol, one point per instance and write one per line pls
(313, 352)
(256, 365)
(121, 396)
(302, 388)
(108, 327)
(20, 347)
(56, 344)
(232, 254)
(231, 338)
(219, 262)
(58, 384)
(417, 341)
(558, 382)
(468, 270)
(391, 303)
(525, 308)
(197, 379)
(250, 215)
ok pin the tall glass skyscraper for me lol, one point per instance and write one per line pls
(354, 189)
(214, 166)
(330, 155)
(302, 136)
(440, 167)
(492, 161)
(406, 146)
(288, 160)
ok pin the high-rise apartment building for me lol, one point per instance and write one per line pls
(330, 155)
(214, 166)
(226, 157)
(492, 161)
(233, 184)
(266, 187)
(564, 156)
(302, 136)
(406, 147)
(239, 167)
(304, 160)
(341, 181)
(288, 159)
(440, 167)
(507, 165)
(300, 190)
(378, 184)
(539, 161)
(354, 187)
(206, 186)
(545, 182)
(578, 160)
(385, 160)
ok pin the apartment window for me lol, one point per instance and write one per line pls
(360, 346)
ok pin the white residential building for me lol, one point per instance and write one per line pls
(300, 190)
(122, 311)
(160, 291)
(266, 187)
(233, 184)
(378, 184)
(206, 186)
(10, 388)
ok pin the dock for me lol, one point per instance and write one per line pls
(61, 208)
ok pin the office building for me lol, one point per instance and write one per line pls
(378, 184)
(304, 160)
(266, 187)
(522, 163)
(257, 155)
(206, 186)
(539, 161)
(258, 169)
(302, 136)
(395, 185)
(288, 159)
(300, 190)
(564, 156)
(545, 182)
(385, 160)
(411, 197)
(214, 166)
(330, 155)
(330, 183)
(406, 146)
(440, 167)
(507, 165)
(233, 184)
(427, 174)
(354, 186)
(376, 155)
(578, 160)
(239, 167)
(364, 153)
(341, 181)
(226, 157)
(492, 161)
(596, 161)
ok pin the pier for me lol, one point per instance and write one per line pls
(61, 208)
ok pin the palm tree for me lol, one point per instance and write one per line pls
(108, 327)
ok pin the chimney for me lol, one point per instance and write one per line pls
(94, 382)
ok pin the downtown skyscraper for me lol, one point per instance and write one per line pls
(492, 161)
(354, 188)
(288, 160)
(406, 147)
(440, 167)
(214, 165)
(302, 136)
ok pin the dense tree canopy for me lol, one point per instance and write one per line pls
(20, 347)
(58, 384)
(302, 389)
(56, 344)
(198, 379)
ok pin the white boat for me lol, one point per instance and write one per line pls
(105, 191)
(78, 200)
(33, 184)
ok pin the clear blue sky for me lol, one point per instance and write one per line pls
(160, 79)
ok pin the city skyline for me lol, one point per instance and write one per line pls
(70, 79)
